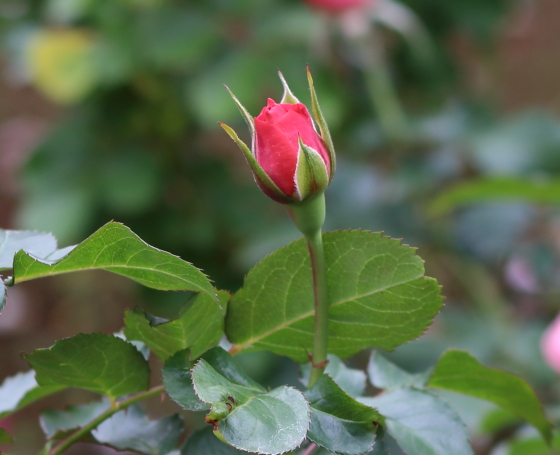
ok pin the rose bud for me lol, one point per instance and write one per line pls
(290, 160)
(550, 345)
(337, 6)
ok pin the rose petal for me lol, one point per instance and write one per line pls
(276, 155)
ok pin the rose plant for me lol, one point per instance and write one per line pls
(318, 300)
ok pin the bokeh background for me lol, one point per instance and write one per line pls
(446, 120)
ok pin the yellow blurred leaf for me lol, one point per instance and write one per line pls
(62, 64)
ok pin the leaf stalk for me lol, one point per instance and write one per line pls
(119, 406)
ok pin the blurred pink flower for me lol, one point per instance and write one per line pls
(550, 345)
(338, 6)
(520, 275)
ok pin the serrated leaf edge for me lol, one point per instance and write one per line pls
(110, 223)
(255, 394)
(237, 348)
(308, 419)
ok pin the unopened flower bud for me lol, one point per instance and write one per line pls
(290, 160)
(337, 6)
(550, 345)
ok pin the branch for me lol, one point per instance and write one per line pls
(119, 406)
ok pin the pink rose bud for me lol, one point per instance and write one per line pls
(337, 6)
(550, 345)
(290, 160)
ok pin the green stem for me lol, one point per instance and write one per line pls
(119, 406)
(321, 333)
(382, 90)
(309, 217)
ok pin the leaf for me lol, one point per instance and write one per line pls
(117, 249)
(352, 381)
(421, 423)
(386, 375)
(39, 244)
(3, 295)
(101, 363)
(132, 430)
(20, 390)
(492, 189)
(178, 383)
(385, 445)
(534, 446)
(458, 371)
(228, 367)
(142, 348)
(338, 422)
(379, 297)
(54, 422)
(204, 442)
(5, 437)
(199, 326)
(255, 421)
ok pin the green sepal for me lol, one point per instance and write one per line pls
(311, 172)
(260, 175)
(323, 127)
(218, 411)
(288, 97)
(244, 112)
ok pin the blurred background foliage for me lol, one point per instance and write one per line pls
(445, 116)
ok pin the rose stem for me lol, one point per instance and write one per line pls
(321, 334)
(309, 217)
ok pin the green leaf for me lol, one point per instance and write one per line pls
(20, 390)
(142, 348)
(386, 375)
(204, 442)
(5, 437)
(56, 423)
(3, 295)
(493, 189)
(352, 381)
(458, 371)
(249, 418)
(421, 423)
(228, 367)
(101, 363)
(178, 383)
(377, 289)
(117, 249)
(385, 445)
(338, 422)
(199, 326)
(497, 420)
(132, 430)
(39, 244)
(534, 446)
